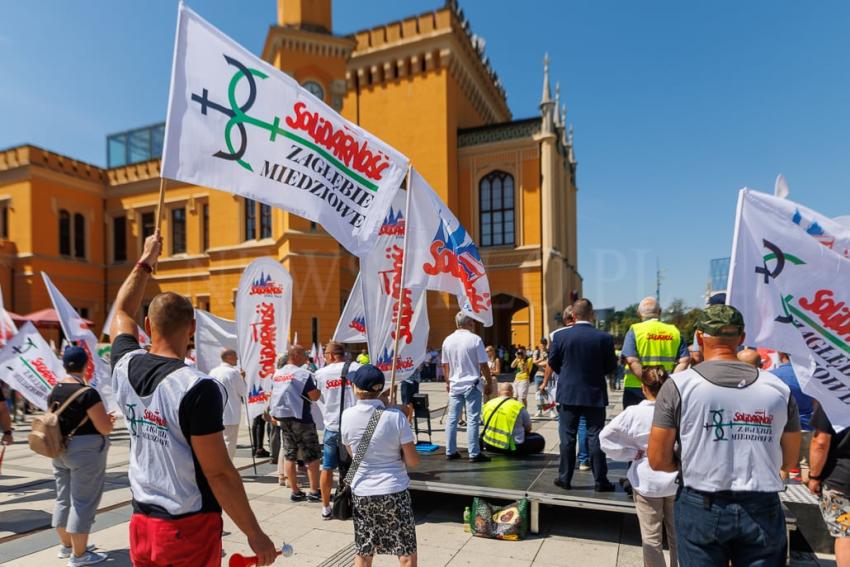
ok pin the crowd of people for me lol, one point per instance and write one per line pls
(711, 438)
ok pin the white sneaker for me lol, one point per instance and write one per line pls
(65, 552)
(584, 467)
(87, 558)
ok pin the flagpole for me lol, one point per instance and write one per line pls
(250, 423)
(160, 203)
(401, 286)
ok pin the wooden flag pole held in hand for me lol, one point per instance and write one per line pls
(397, 313)
(161, 203)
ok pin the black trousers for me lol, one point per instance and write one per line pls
(258, 432)
(534, 443)
(568, 418)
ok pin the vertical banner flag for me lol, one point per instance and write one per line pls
(380, 280)
(442, 254)
(212, 335)
(7, 326)
(144, 339)
(352, 323)
(263, 312)
(29, 365)
(97, 374)
(790, 277)
(238, 124)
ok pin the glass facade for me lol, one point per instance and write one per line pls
(719, 272)
(134, 146)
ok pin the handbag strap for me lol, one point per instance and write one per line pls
(364, 444)
(70, 399)
(343, 376)
(492, 415)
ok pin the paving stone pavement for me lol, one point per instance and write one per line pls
(568, 536)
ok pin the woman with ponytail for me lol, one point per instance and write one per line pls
(625, 439)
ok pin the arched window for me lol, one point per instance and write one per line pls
(496, 209)
(79, 236)
(64, 233)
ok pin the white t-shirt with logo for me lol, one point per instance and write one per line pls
(382, 470)
(234, 386)
(464, 352)
(329, 383)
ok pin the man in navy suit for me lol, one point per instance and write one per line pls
(581, 356)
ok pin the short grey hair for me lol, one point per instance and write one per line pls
(649, 308)
(462, 320)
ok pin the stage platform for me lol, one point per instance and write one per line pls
(512, 478)
(531, 477)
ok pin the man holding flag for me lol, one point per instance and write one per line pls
(180, 474)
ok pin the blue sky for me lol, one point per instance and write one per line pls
(676, 105)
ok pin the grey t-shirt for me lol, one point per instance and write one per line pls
(730, 374)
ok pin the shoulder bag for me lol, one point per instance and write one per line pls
(343, 504)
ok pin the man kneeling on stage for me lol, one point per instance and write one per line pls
(507, 425)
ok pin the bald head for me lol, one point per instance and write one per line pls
(296, 355)
(583, 310)
(506, 389)
(649, 308)
(228, 355)
(750, 356)
(170, 315)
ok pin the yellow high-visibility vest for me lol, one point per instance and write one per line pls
(499, 431)
(657, 345)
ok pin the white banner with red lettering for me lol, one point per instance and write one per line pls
(97, 374)
(30, 366)
(380, 280)
(352, 323)
(212, 335)
(263, 313)
(443, 256)
(238, 124)
(790, 277)
(7, 326)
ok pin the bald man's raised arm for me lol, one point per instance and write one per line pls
(129, 299)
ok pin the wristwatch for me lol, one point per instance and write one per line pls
(816, 477)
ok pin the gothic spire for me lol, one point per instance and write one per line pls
(547, 92)
(558, 121)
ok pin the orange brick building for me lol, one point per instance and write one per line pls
(422, 84)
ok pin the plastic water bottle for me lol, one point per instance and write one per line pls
(287, 550)
(467, 513)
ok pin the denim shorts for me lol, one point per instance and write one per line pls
(330, 450)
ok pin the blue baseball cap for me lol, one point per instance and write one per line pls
(368, 378)
(74, 359)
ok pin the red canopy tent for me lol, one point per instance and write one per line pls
(45, 319)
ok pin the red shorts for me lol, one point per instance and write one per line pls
(194, 541)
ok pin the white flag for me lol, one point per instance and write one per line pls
(7, 326)
(263, 312)
(790, 278)
(98, 374)
(352, 323)
(212, 335)
(30, 366)
(780, 187)
(380, 281)
(144, 339)
(442, 254)
(238, 124)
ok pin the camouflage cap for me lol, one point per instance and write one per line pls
(715, 318)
